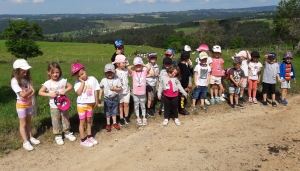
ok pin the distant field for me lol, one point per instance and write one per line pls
(188, 30)
(270, 21)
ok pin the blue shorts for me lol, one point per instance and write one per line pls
(200, 90)
(111, 106)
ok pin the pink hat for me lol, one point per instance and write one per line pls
(75, 67)
(119, 59)
(138, 61)
(242, 53)
(62, 102)
(202, 47)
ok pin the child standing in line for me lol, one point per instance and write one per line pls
(110, 86)
(170, 53)
(151, 81)
(56, 86)
(245, 57)
(167, 63)
(271, 71)
(185, 76)
(254, 76)
(139, 88)
(236, 79)
(201, 81)
(169, 85)
(287, 73)
(86, 87)
(216, 75)
(124, 94)
(21, 84)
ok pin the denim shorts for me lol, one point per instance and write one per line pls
(200, 90)
(111, 106)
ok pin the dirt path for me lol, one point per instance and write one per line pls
(254, 138)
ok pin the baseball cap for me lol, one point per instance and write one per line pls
(109, 68)
(62, 102)
(138, 61)
(216, 48)
(170, 52)
(242, 53)
(202, 47)
(167, 60)
(237, 60)
(287, 55)
(186, 48)
(152, 54)
(255, 54)
(118, 43)
(119, 59)
(185, 55)
(22, 64)
(203, 55)
(75, 67)
(272, 55)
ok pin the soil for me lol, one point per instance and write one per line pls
(250, 139)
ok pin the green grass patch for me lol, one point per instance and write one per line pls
(188, 30)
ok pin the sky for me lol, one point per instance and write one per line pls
(120, 6)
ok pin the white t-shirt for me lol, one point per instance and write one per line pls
(151, 80)
(254, 68)
(17, 89)
(244, 67)
(55, 86)
(106, 83)
(202, 74)
(88, 93)
(122, 75)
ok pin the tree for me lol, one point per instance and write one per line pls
(287, 21)
(237, 42)
(20, 38)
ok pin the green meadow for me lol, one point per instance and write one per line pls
(93, 57)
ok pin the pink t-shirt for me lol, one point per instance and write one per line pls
(217, 69)
(169, 92)
(139, 82)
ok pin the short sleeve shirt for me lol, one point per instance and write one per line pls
(17, 89)
(270, 72)
(88, 93)
(55, 86)
(151, 80)
(254, 69)
(106, 83)
(122, 75)
(139, 82)
(203, 72)
(237, 76)
(217, 69)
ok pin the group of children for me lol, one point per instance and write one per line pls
(172, 85)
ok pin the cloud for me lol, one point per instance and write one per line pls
(38, 1)
(131, 1)
(171, 0)
(18, 1)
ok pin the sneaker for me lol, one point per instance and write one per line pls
(218, 100)
(222, 98)
(207, 102)
(183, 112)
(150, 112)
(86, 143)
(145, 122)
(116, 126)
(193, 108)
(250, 99)
(139, 122)
(108, 128)
(177, 121)
(284, 102)
(240, 106)
(27, 146)
(34, 141)
(127, 120)
(122, 121)
(242, 99)
(274, 104)
(70, 136)
(254, 100)
(265, 103)
(165, 122)
(92, 140)
(59, 140)
(232, 106)
(203, 108)
(212, 101)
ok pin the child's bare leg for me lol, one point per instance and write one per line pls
(81, 128)
(211, 91)
(149, 103)
(231, 98)
(265, 97)
(121, 109)
(193, 102)
(88, 126)
(216, 91)
(283, 93)
(126, 109)
(114, 118)
(201, 102)
(273, 97)
(242, 92)
(108, 121)
(23, 129)
(28, 126)
(236, 98)
(221, 90)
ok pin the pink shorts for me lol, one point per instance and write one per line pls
(85, 111)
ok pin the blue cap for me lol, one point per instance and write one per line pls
(272, 55)
(118, 43)
(170, 51)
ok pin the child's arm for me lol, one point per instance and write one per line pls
(96, 98)
(100, 94)
(180, 88)
(81, 88)
(42, 92)
(130, 69)
(208, 79)
(148, 68)
(159, 91)
(265, 59)
(241, 81)
(195, 78)
(278, 77)
(231, 79)
(249, 57)
(67, 89)
(117, 89)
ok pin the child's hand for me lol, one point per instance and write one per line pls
(258, 81)
(295, 81)
(52, 94)
(266, 56)
(96, 105)
(280, 80)
(112, 88)
(62, 93)
(159, 97)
